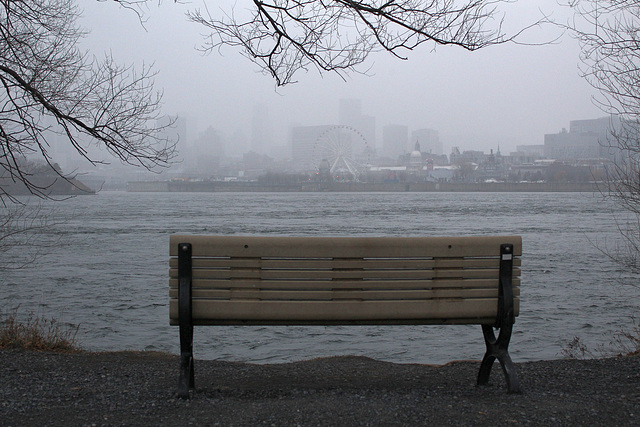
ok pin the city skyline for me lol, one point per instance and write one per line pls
(215, 147)
(428, 138)
(505, 95)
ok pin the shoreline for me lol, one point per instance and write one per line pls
(138, 388)
(179, 186)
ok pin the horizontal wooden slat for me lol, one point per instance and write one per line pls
(342, 274)
(443, 321)
(357, 284)
(379, 263)
(345, 247)
(337, 294)
(344, 280)
(340, 311)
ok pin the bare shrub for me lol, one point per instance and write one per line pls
(576, 349)
(624, 342)
(627, 341)
(37, 333)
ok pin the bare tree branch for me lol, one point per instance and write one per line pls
(24, 234)
(609, 35)
(284, 36)
(48, 85)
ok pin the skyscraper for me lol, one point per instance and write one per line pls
(303, 140)
(261, 134)
(350, 114)
(394, 140)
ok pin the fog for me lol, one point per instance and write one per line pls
(504, 95)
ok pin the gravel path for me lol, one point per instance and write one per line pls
(129, 388)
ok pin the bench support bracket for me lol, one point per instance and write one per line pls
(498, 348)
(185, 382)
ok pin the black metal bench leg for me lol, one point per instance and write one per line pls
(186, 379)
(498, 349)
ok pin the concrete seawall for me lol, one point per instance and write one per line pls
(395, 187)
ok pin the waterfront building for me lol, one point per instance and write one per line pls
(205, 159)
(466, 157)
(586, 139)
(395, 139)
(522, 158)
(416, 161)
(427, 173)
(602, 126)
(429, 140)
(536, 150)
(256, 165)
(572, 145)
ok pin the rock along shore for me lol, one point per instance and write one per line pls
(138, 388)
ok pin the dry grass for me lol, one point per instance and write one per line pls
(576, 349)
(624, 342)
(37, 333)
(628, 341)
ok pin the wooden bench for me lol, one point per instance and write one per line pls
(238, 280)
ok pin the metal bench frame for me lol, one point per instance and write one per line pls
(496, 347)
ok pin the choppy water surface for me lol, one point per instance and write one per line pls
(109, 272)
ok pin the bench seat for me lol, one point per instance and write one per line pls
(264, 280)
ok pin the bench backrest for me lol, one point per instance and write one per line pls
(344, 280)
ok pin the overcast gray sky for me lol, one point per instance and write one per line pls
(508, 94)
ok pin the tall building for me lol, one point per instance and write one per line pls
(303, 146)
(429, 140)
(586, 139)
(261, 129)
(350, 114)
(207, 153)
(572, 145)
(395, 140)
(601, 126)
(531, 150)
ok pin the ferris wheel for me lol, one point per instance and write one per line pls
(344, 151)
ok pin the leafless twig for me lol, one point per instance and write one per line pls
(284, 36)
(48, 85)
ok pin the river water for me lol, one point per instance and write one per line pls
(109, 271)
